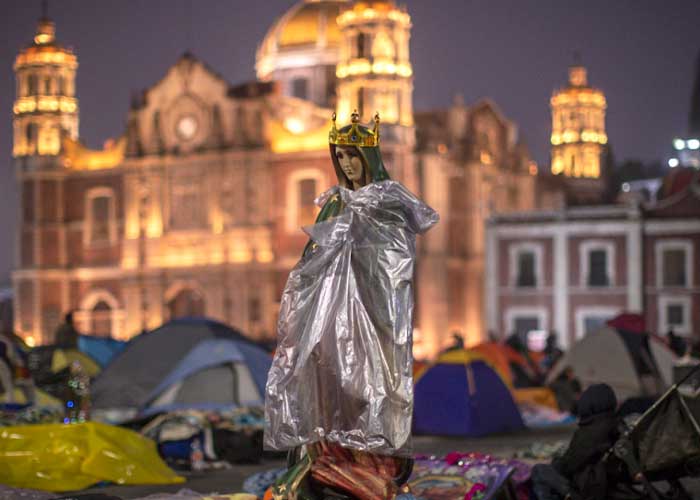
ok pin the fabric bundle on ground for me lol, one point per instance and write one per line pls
(58, 457)
(234, 436)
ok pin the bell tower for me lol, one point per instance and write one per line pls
(578, 127)
(45, 106)
(374, 68)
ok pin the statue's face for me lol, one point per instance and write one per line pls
(350, 162)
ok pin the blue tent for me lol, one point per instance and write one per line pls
(462, 395)
(216, 373)
(130, 379)
(101, 349)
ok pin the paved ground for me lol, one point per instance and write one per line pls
(231, 481)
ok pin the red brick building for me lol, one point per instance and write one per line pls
(571, 270)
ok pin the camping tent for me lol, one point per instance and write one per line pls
(166, 356)
(511, 365)
(518, 374)
(101, 349)
(462, 395)
(631, 363)
(216, 373)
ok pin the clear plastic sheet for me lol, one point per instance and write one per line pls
(343, 366)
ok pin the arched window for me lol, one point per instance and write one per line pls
(361, 42)
(101, 320)
(32, 85)
(100, 314)
(383, 46)
(303, 186)
(31, 133)
(186, 303)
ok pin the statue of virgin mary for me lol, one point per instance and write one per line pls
(341, 378)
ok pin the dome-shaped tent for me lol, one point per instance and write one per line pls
(461, 394)
(172, 352)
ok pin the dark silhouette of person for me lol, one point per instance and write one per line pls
(552, 352)
(676, 343)
(66, 334)
(578, 471)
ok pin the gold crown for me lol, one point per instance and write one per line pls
(355, 136)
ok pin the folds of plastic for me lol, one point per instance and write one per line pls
(58, 457)
(343, 366)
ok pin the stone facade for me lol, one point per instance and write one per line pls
(197, 209)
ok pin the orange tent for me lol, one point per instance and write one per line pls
(507, 362)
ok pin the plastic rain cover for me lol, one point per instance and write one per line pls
(343, 366)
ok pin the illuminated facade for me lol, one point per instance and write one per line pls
(578, 127)
(197, 208)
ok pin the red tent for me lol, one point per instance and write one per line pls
(633, 323)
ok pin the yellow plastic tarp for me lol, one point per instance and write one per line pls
(541, 396)
(64, 357)
(42, 398)
(60, 457)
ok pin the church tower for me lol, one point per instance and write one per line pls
(374, 68)
(578, 128)
(45, 107)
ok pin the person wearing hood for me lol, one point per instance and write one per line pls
(578, 473)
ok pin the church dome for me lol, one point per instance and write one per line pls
(307, 33)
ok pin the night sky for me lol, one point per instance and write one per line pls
(641, 53)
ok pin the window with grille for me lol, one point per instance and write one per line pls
(674, 271)
(598, 268)
(526, 277)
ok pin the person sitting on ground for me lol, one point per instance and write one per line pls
(66, 334)
(579, 472)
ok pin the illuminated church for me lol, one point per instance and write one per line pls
(197, 208)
